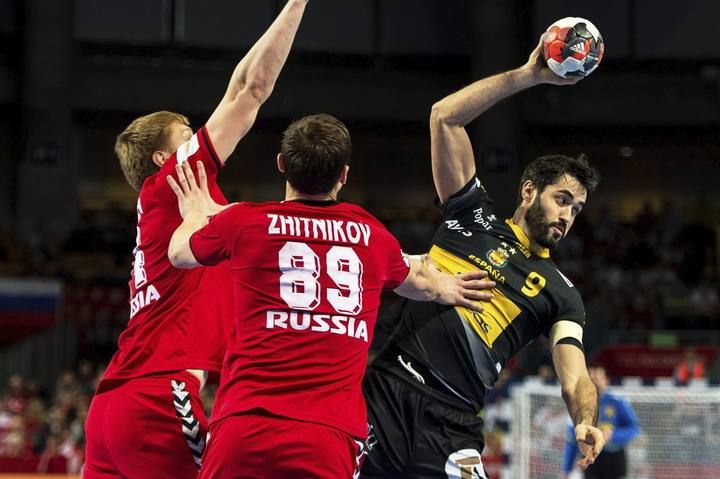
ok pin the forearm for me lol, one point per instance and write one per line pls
(582, 401)
(465, 105)
(179, 251)
(420, 284)
(260, 68)
(453, 160)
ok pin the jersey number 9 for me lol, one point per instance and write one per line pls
(534, 283)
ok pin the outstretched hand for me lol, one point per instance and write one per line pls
(591, 441)
(543, 74)
(464, 289)
(193, 195)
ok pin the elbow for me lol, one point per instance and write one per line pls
(175, 255)
(444, 116)
(259, 89)
(254, 90)
(568, 393)
(174, 258)
(439, 114)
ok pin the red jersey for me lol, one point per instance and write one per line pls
(179, 318)
(307, 279)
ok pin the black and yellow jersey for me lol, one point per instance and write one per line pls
(465, 350)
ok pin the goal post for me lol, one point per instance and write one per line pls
(679, 431)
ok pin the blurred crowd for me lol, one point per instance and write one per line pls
(98, 248)
(656, 271)
(42, 428)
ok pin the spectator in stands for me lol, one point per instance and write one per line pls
(546, 373)
(41, 430)
(690, 367)
(617, 420)
(86, 377)
(51, 461)
(13, 442)
(17, 396)
(704, 304)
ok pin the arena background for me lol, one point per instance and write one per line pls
(73, 73)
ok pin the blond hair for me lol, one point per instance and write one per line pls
(135, 146)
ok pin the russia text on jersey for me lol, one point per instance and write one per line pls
(143, 298)
(318, 323)
(323, 229)
(149, 293)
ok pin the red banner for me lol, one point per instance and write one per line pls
(648, 362)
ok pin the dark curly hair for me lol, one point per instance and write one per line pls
(548, 169)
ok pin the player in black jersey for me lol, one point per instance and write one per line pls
(426, 388)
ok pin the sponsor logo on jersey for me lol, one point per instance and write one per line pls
(482, 220)
(317, 323)
(499, 256)
(454, 225)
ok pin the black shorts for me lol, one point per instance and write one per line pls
(608, 465)
(415, 436)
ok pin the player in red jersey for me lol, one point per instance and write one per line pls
(146, 419)
(307, 274)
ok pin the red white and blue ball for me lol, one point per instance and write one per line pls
(573, 47)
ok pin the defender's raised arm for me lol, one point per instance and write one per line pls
(253, 81)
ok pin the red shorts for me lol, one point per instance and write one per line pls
(146, 427)
(256, 446)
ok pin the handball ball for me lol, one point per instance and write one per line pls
(572, 47)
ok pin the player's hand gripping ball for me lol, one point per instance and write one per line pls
(573, 47)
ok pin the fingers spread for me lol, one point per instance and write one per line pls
(182, 179)
(477, 295)
(174, 186)
(471, 275)
(202, 176)
(192, 183)
(479, 284)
